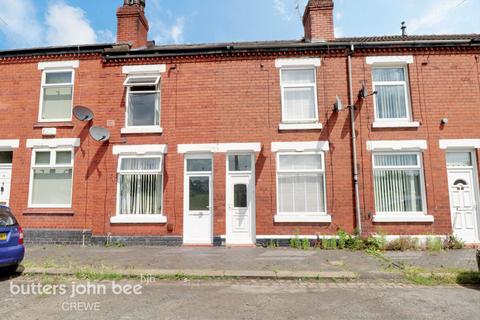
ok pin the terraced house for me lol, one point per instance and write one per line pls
(238, 143)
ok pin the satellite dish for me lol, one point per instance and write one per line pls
(83, 113)
(99, 133)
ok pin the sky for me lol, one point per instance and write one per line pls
(33, 23)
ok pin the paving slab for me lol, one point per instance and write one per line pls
(464, 259)
(242, 262)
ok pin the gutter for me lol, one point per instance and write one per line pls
(94, 48)
(354, 141)
(178, 51)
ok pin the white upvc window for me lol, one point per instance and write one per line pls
(56, 96)
(301, 184)
(51, 178)
(299, 94)
(392, 102)
(399, 184)
(140, 185)
(142, 104)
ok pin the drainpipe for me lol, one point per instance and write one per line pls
(354, 141)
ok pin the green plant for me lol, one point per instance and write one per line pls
(329, 244)
(434, 244)
(305, 244)
(115, 244)
(342, 239)
(355, 243)
(295, 241)
(402, 244)
(375, 243)
(453, 242)
(272, 244)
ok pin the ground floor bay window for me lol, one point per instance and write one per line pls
(301, 187)
(139, 189)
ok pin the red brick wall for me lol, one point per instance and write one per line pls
(132, 26)
(238, 100)
(318, 21)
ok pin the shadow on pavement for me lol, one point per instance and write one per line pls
(7, 274)
(470, 279)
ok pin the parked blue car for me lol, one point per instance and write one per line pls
(12, 249)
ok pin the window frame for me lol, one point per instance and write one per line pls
(240, 172)
(51, 165)
(419, 166)
(471, 154)
(324, 182)
(158, 105)
(119, 172)
(406, 86)
(45, 85)
(282, 93)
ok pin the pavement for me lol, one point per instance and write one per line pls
(279, 263)
(246, 299)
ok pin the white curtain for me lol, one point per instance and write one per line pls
(397, 189)
(298, 76)
(390, 98)
(301, 162)
(140, 193)
(301, 192)
(299, 94)
(141, 164)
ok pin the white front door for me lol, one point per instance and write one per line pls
(5, 180)
(240, 205)
(198, 201)
(461, 183)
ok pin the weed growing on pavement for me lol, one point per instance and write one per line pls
(403, 244)
(87, 274)
(329, 244)
(342, 239)
(115, 244)
(272, 243)
(305, 244)
(295, 241)
(453, 242)
(434, 244)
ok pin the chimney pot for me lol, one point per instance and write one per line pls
(318, 21)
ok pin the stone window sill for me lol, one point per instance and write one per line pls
(399, 218)
(303, 218)
(134, 130)
(300, 126)
(138, 219)
(48, 212)
(65, 124)
(395, 124)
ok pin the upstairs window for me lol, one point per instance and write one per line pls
(56, 95)
(51, 178)
(143, 102)
(392, 98)
(299, 95)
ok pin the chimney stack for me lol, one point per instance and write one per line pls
(132, 25)
(318, 21)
